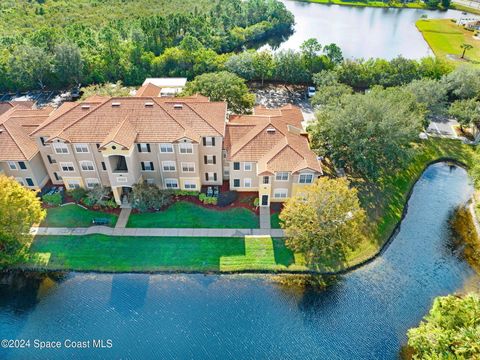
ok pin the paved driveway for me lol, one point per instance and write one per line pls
(443, 127)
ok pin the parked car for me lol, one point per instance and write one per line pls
(310, 91)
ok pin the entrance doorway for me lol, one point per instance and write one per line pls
(264, 200)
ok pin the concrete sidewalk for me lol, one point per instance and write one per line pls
(166, 232)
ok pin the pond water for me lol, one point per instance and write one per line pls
(364, 315)
(362, 32)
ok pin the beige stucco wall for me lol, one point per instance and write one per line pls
(35, 170)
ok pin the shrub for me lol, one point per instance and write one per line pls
(227, 198)
(186, 193)
(256, 202)
(148, 196)
(110, 204)
(77, 194)
(97, 195)
(207, 200)
(53, 199)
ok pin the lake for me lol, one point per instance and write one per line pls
(362, 32)
(363, 315)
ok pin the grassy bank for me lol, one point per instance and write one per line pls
(465, 236)
(73, 215)
(413, 5)
(183, 214)
(465, 8)
(445, 38)
(124, 254)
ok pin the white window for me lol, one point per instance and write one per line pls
(190, 184)
(166, 148)
(188, 167)
(87, 165)
(81, 148)
(185, 148)
(73, 184)
(92, 182)
(20, 181)
(247, 166)
(280, 193)
(147, 166)
(281, 176)
(169, 166)
(209, 141)
(305, 178)
(210, 159)
(12, 165)
(143, 148)
(247, 182)
(67, 166)
(60, 148)
(171, 183)
(210, 176)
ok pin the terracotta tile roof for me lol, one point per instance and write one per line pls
(15, 127)
(7, 105)
(273, 138)
(148, 90)
(123, 134)
(153, 119)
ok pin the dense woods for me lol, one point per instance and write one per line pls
(67, 44)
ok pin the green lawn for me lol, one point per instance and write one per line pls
(73, 215)
(275, 221)
(184, 214)
(412, 5)
(123, 254)
(445, 37)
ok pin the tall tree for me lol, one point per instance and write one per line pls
(223, 86)
(68, 64)
(451, 330)
(324, 220)
(467, 112)
(30, 66)
(20, 208)
(370, 134)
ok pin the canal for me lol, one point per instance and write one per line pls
(363, 315)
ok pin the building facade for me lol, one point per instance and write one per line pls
(173, 143)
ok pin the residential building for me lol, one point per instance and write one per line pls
(174, 143)
(163, 87)
(269, 152)
(19, 154)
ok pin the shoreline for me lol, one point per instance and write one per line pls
(379, 251)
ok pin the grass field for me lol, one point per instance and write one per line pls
(117, 254)
(445, 38)
(74, 216)
(183, 214)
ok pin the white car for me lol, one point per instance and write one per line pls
(310, 91)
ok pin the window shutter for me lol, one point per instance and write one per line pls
(139, 148)
(215, 176)
(204, 141)
(214, 160)
(206, 176)
(213, 141)
(143, 166)
(148, 147)
(151, 166)
(205, 161)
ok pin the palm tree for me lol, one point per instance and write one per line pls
(465, 47)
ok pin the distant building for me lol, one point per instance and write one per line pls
(162, 87)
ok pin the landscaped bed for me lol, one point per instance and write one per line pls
(73, 215)
(183, 214)
(123, 254)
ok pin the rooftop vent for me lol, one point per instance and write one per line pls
(115, 104)
(271, 130)
(178, 106)
(85, 106)
(149, 104)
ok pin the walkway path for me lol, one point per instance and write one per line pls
(165, 232)
(123, 218)
(265, 217)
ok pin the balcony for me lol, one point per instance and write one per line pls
(118, 164)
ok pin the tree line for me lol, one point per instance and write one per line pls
(130, 49)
